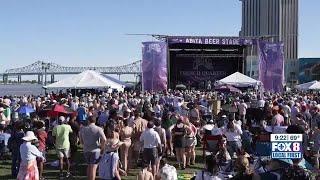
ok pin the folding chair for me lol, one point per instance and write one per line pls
(210, 143)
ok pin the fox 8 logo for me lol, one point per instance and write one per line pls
(286, 146)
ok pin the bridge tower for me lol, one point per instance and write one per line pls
(19, 79)
(5, 78)
(40, 78)
(52, 78)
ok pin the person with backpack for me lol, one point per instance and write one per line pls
(14, 143)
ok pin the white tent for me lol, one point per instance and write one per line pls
(306, 86)
(315, 86)
(239, 80)
(86, 79)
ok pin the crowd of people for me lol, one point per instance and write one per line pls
(117, 132)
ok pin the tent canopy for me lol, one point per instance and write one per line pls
(308, 86)
(86, 79)
(117, 81)
(315, 86)
(239, 80)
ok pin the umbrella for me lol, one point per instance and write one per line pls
(25, 110)
(227, 88)
(55, 110)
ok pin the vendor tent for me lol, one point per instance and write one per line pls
(86, 80)
(315, 86)
(127, 85)
(307, 86)
(238, 79)
(227, 88)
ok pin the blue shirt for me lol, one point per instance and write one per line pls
(82, 116)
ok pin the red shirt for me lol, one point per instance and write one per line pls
(42, 137)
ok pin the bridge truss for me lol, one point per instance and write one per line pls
(41, 67)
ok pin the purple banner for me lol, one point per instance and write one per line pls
(209, 40)
(154, 66)
(271, 65)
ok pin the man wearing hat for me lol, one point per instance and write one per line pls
(61, 134)
(28, 166)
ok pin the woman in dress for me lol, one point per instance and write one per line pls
(29, 153)
(167, 123)
(178, 133)
(191, 142)
(125, 136)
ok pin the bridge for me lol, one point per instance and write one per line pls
(42, 69)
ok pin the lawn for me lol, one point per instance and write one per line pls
(79, 170)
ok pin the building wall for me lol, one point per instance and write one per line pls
(309, 69)
(275, 20)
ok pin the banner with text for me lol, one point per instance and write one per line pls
(199, 70)
(154, 66)
(271, 65)
(209, 40)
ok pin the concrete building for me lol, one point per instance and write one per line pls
(275, 20)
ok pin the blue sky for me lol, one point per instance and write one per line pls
(92, 32)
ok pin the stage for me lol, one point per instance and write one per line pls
(199, 61)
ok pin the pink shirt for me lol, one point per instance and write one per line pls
(278, 120)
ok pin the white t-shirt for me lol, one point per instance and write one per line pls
(168, 172)
(203, 175)
(242, 108)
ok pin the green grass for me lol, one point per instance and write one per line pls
(79, 170)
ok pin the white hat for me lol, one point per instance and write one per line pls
(62, 119)
(29, 136)
(7, 102)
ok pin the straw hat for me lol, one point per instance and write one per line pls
(29, 136)
(7, 102)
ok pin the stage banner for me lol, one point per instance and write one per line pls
(271, 65)
(154, 66)
(209, 40)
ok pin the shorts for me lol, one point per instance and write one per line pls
(150, 155)
(191, 141)
(92, 157)
(63, 153)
